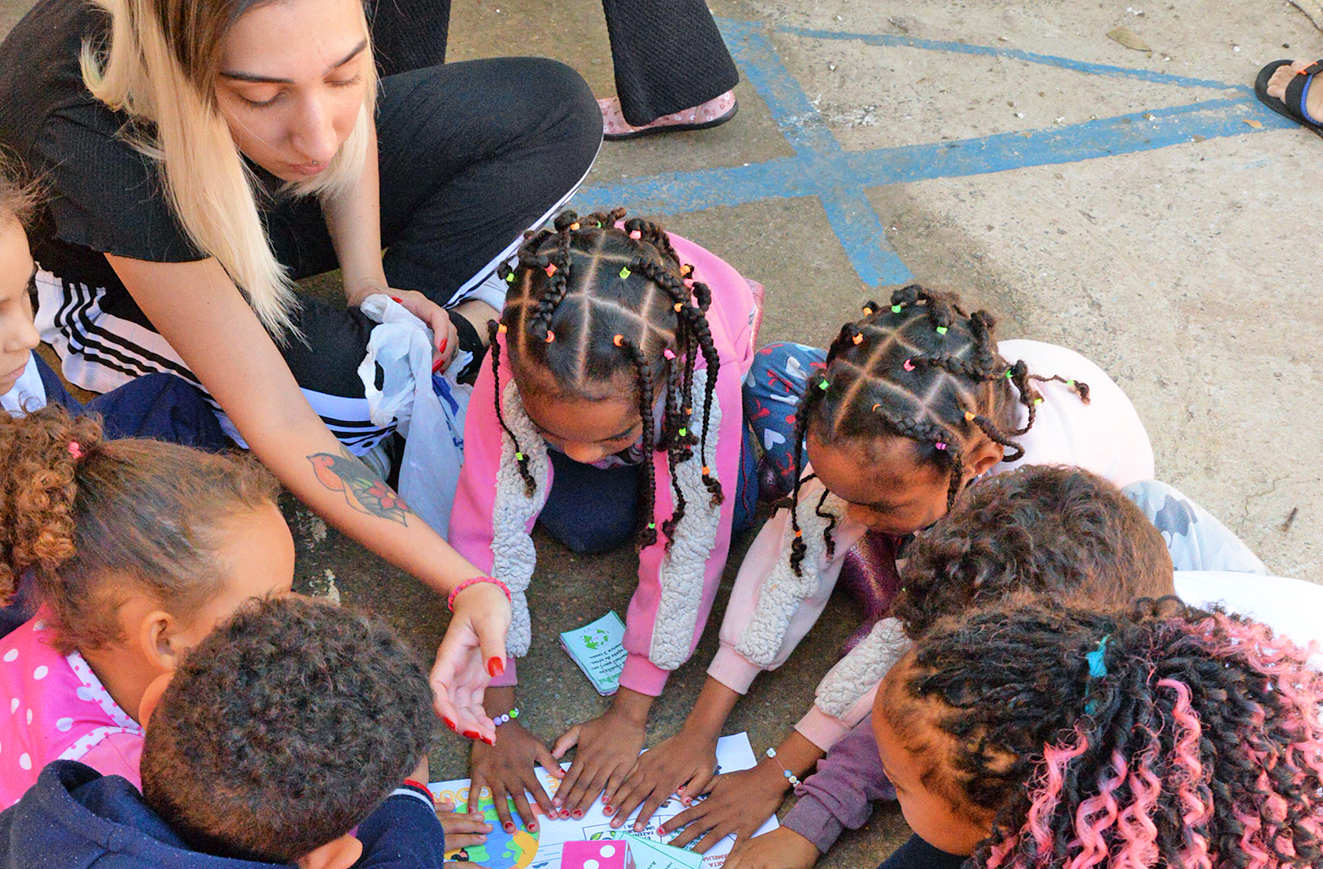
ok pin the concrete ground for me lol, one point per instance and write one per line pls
(1138, 206)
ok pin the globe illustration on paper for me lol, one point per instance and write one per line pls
(502, 850)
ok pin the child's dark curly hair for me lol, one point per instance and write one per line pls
(284, 729)
(922, 369)
(92, 518)
(1167, 737)
(1059, 533)
(589, 302)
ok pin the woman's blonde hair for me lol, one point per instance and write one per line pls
(161, 67)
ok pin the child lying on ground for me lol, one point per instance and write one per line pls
(1170, 737)
(297, 733)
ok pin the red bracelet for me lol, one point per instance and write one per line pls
(450, 600)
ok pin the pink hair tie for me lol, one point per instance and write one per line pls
(939, 445)
(689, 282)
(636, 235)
(75, 449)
(909, 365)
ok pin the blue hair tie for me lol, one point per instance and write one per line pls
(1097, 669)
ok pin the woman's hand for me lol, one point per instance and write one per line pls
(462, 828)
(445, 339)
(682, 765)
(739, 803)
(782, 848)
(471, 654)
(608, 748)
(507, 768)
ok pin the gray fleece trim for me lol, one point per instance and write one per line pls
(865, 665)
(683, 568)
(513, 554)
(782, 592)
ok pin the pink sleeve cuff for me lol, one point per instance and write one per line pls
(509, 677)
(821, 729)
(732, 669)
(643, 676)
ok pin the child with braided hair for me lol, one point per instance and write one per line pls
(906, 408)
(611, 409)
(1171, 737)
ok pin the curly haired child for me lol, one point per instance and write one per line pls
(296, 733)
(159, 406)
(612, 408)
(132, 550)
(1027, 738)
(906, 408)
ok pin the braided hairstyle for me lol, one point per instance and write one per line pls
(920, 369)
(588, 301)
(1166, 737)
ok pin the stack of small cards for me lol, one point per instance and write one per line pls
(599, 650)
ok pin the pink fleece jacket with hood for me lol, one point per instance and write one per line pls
(492, 516)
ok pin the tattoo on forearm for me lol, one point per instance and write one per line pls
(363, 492)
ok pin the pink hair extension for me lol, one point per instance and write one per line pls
(1047, 794)
(1096, 815)
(1135, 825)
(997, 853)
(1191, 776)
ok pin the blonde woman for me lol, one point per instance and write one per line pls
(201, 154)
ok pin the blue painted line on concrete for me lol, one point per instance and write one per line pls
(1015, 54)
(822, 169)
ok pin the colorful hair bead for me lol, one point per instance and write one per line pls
(868, 311)
(618, 340)
(75, 449)
(624, 272)
(896, 309)
(510, 278)
(635, 234)
(940, 445)
(689, 283)
(683, 432)
(1038, 400)
(551, 269)
(679, 306)
(876, 406)
(909, 365)
(706, 470)
(551, 336)
(824, 384)
(574, 227)
(502, 329)
(969, 417)
(686, 269)
(519, 457)
(941, 330)
(858, 338)
(668, 353)
(652, 526)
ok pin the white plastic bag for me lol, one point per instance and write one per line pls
(429, 411)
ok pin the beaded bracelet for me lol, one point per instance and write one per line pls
(790, 776)
(509, 716)
(450, 599)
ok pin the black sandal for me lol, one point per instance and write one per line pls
(1292, 106)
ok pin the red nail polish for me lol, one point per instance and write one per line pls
(532, 828)
(680, 789)
(495, 667)
(471, 734)
(509, 828)
(450, 724)
(489, 741)
(441, 348)
(397, 299)
(578, 813)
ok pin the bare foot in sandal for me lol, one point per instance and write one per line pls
(1282, 77)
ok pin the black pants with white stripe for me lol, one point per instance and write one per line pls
(471, 154)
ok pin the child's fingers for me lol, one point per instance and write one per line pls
(463, 840)
(525, 810)
(627, 798)
(585, 791)
(568, 740)
(562, 798)
(700, 784)
(549, 764)
(454, 823)
(687, 819)
(476, 784)
(715, 835)
(650, 807)
(502, 798)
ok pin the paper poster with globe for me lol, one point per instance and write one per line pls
(541, 850)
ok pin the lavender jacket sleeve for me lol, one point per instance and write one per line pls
(841, 793)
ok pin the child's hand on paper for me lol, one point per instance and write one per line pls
(462, 828)
(738, 802)
(782, 848)
(608, 748)
(507, 768)
(681, 765)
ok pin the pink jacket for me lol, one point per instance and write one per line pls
(57, 709)
(492, 517)
(770, 611)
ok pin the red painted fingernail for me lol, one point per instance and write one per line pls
(471, 734)
(509, 828)
(450, 724)
(578, 813)
(680, 790)
(397, 299)
(489, 741)
(495, 666)
(532, 828)
(437, 365)
(445, 342)
(607, 809)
